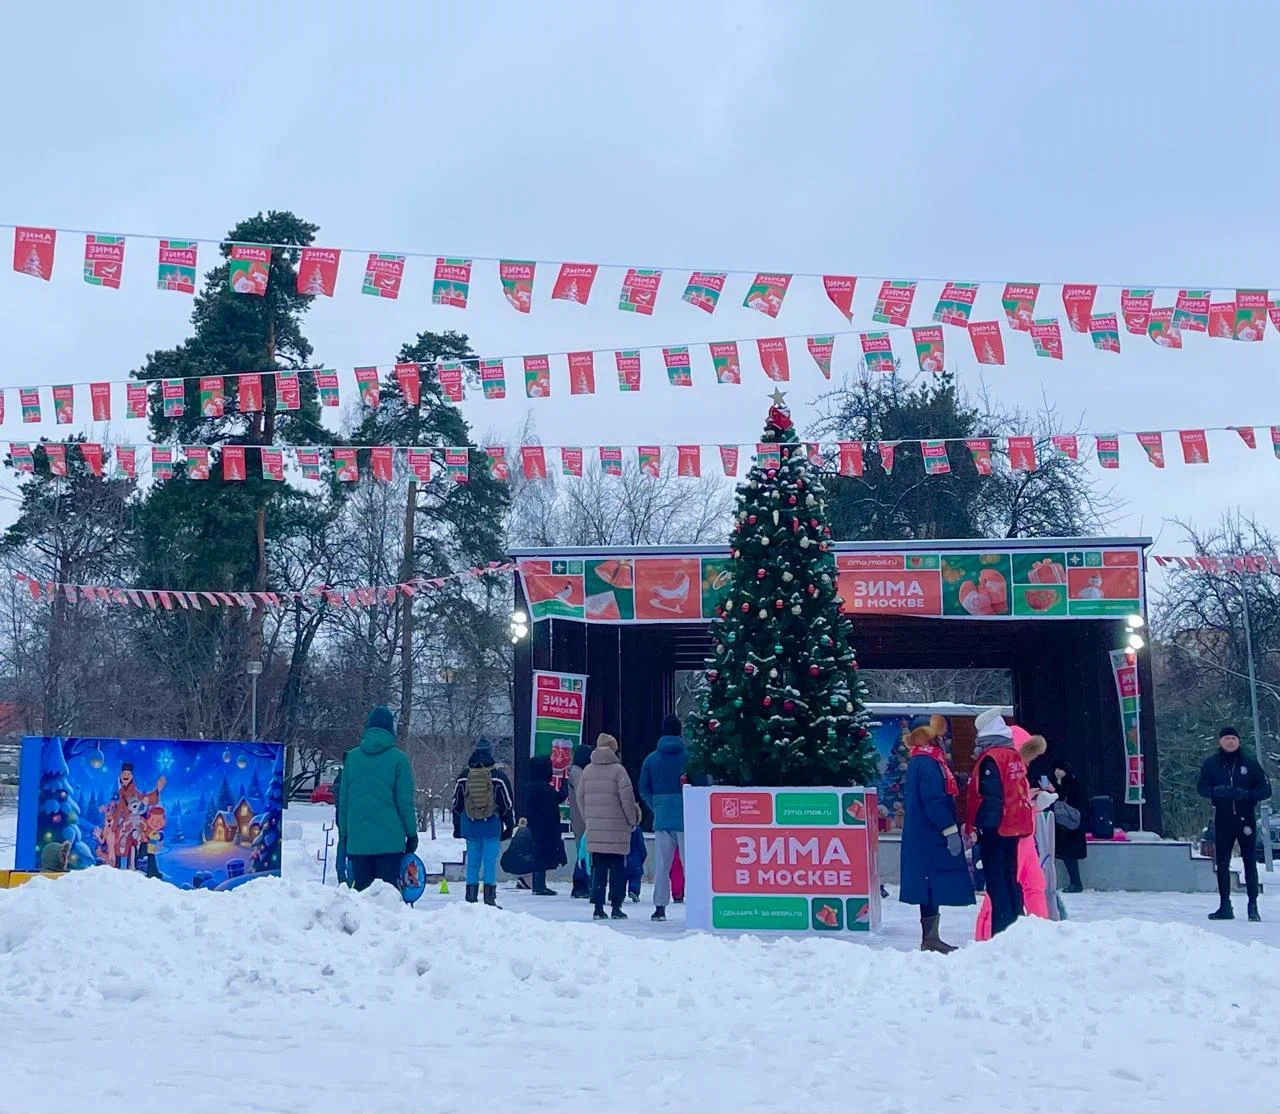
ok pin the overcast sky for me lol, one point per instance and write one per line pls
(1112, 143)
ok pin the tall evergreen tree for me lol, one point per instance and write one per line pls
(782, 704)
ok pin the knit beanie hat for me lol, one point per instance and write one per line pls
(671, 726)
(607, 741)
(1228, 730)
(383, 717)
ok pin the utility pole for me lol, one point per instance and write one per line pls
(1259, 742)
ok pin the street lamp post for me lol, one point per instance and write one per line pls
(254, 669)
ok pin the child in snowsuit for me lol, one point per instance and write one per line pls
(635, 863)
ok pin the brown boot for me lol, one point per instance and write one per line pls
(929, 940)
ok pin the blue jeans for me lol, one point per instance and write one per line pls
(483, 852)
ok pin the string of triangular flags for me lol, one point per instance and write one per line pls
(845, 458)
(1228, 562)
(1243, 317)
(170, 599)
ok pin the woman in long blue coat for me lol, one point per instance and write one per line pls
(934, 872)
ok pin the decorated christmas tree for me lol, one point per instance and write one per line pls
(782, 703)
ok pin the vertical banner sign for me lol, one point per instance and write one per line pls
(639, 291)
(103, 260)
(161, 463)
(559, 712)
(582, 373)
(773, 358)
(272, 463)
(893, 306)
(176, 266)
(766, 293)
(1104, 329)
(820, 348)
(688, 460)
(782, 860)
(318, 272)
(449, 374)
(729, 459)
(213, 398)
(724, 358)
(1162, 329)
(92, 454)
(988, 343)
(249, 269)
(935, 458)
(173, 393)
(1066, 444)
(56, 455)
(571, 461)
(1191, 311)
(956, 303)
(249, 393)
(100, 401)
(1108, 451)
(29, 397)
(420, 463)
(573, 283)
(1222, 320)
(1019, 301)
(382, 275)
(1135, 308)
(452, 283)
(649, 458)
(23, 460)
(346, 468)
(135, 400)
(537, 377)
(611, 460)
(233, 463)
(197, 461)
(370, 390)
(457, 463)
(498, 467)
(768, 456)
(1247, 435)
(309, 462)
(628, 363)
(851, 462)
(327, 385)
(64, 405)
(33, 252)
(704, 289)
(382, 463)
(1153, 443)
(1022, 454)
(127, 460)
(516, 276)
(409, 379)
(493, 378)
(877, 352)
(1077, 300)
(1046, 337)
(840, 290)
(1195, 446)
(886, 451)
(1124, 668)
(534, 462)
(1251, 315)
(929, 350)
(679, 373)
(980, 449)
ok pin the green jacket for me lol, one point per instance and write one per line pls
(375, 798)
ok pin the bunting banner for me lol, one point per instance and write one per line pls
(308, 463)
(249, 269)
(1153, 444)
(327, 387)
(1195, 446)
(1222, 320)
(851, 459)
(493, 378)
(135, 400)
(956, 304)
(679, 372)
(33, 250)
(611, 460)
(1019, 301)
(639, 291)
(582, 373)
(537, 377)
(1077, 301)
(980, 451)
(724, 359)
(103, 260)
(988, 344)
(346, 467)
(197, 461)
(887, 451)
(1066, 445)
(176, 266)
(1162, 330)
(729, 459)
(1251, 315)
(234, 467)
(91, 452)
(877, 353)
(704, 289)
(382, 463)
(893, 306)
(1046, 337)
(1135, 308)
(369, 386)
(213, 398)
(574, 282)
(249, 393)
(533, 462)
(57, 458)
(451, 285)
(649, 458)
(161, 462)
(1104, 330)
(457, 465)
(449, 374)
(382, 275)
(1191, 311)
(840, 290)
(419, 462)
(64, 405)
(29, 399)
(173, 394)
(820, 349)
(773, 358)
(409, 380)
(499, 470)
(272, 464)
(571, 462)
(1246, 434)
(628, 364)
(929, 351)
(1022, 453)
(318, 272)
(688, 460)
(126, 457)
(766, 293)
(1108, 449)
(516, 276)
(1124, 668)
(934, 454)
(1222, 562)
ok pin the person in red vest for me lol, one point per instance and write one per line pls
(998, 811)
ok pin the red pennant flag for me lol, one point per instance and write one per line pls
(688, 460)
(272, 463)
(173, 394)
(516, 276)
(100, 401)
(1135, 308)
(346, 467)
(1019, 301)
(1222, 320)
(1191, 311)
(766, 293)
(893, 306)
(1077, 300)
(64, 404)
(135, 400)
(30, 399)
(23, 461)
(197, 461)
(582, 373)
(382, 275)
(1251, 315)
(821, 349)
(611, 460)
(33, 251)
(57, 458)
(1154, 444)
(988, 343)
(498, 468)
(318, 272)
(1273, 311)
(934, 455)
(457, 464)
(161, 463)
(233, 464)
(571, 461)
(213, 399)
(573, 283)
(877, 352)
(327, 385)
(420, 464)
(537, 377)
(851, 463)
(1105, 332)
(1066, 444)
(704, 289)
(649, 458)
(1246, 435)
(773, 358)
(103, 260)
(1046, 336)
(127, 460)
(724, 358)
(1108, 451)
(1162, 330)
(840, 290)
(410, 381)
(639, 291)
(92, 454)
(1022, 453)
(176, 266)
(955, 304)
(288, 392)
(450, 377)
(1275, 440)
(249, 269)
(980, 449)
(370, 389)
(452, 283)
(381, 461)
(493, 378)
(729, 459)
(628, 363)
(929, 348)
(679, 371)
(1195, 446)
(249, 393)
(534, 462)
(886, 451)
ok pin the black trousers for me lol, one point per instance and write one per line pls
(610, 868)
(366, 868)
(1225, 837)
(1000, 868)
(1073, 871)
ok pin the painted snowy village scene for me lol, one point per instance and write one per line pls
(670, 558)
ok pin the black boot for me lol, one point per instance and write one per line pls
(473, 892)
(1254, 915)
(598, 914)
(1224, 912)
(659, 913)
(491, 896)
(930, 941)
(580, 892)
(617, 914)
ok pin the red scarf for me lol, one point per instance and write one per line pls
(935, 752)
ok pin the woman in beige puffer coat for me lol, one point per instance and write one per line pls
(608, 803)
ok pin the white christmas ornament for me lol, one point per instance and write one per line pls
(788, 577)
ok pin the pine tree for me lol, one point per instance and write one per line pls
(782, 703)
(266, 846)
(224, 800)
(58, 815)
(176, 819)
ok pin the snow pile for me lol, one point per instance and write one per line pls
(299, 857)
(284, 995)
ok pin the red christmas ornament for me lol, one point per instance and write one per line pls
(767, 701)
(751, 519)
(772, 473)
(749, 669)
(786, 454)
(788, 705)
(814, 671)
(795, 526)
(791, 500)
(714, 724)
(759, 574)
(712, 674)
(813, 522)
(745, 607)
(862, 732)
(778, 604)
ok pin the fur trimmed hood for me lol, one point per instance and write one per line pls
(1032, 748)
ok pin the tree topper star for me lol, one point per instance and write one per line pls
(778, 398)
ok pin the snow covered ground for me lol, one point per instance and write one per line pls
(285, 995)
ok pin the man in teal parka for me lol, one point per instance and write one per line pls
(376, 814)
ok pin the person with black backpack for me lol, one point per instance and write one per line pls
(484, 815)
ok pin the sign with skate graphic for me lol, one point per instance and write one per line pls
(559, 710)
(782, 859)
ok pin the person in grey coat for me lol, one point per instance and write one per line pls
(609, 806)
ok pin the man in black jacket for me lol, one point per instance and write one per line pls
(1235, 783)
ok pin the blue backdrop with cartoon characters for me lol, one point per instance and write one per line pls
(196, 813)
